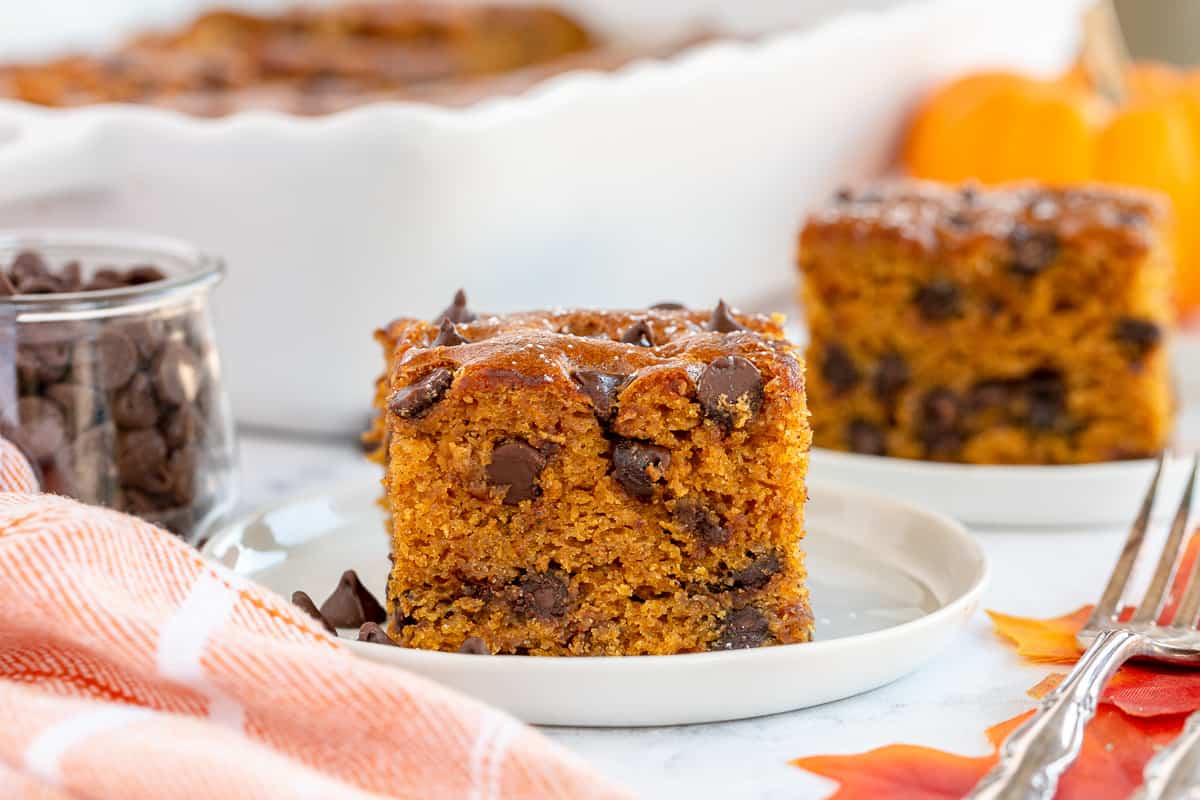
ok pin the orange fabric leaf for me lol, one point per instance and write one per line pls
(1043, 639)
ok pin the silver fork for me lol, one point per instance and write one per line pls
(1038, 752)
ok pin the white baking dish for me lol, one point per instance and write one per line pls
(683, 179)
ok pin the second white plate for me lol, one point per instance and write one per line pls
(891, 584)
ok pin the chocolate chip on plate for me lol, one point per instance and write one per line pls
(447, 335)
(602, 388)
(351, 604)
(135, 406)
(722, 320)
(638, 333)
(746, 627)
(542, 595)
(517, 466)
(475, 646)
(701, 521)
(302, 601)
(1032, 250)
(1140, 336)
(838, 369)
(866, 438)
(457, 311)
(116, 360)
(176, 373)
(939, 300)
(418, 397)
(43, 425)
(730, 391)
(637, 466)
(371, 632)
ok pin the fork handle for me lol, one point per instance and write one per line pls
(1173, 772)
(1038, 752)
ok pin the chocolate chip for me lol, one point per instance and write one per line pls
(958, 220)
(475, 646)
(838, 369)
(116, 360)
(105, 279)
(176, 373)
(180, 426)
(866, 438)
(351, 604)
(1046, 397)
(939, 300)
(542, 595)
(372, 633)
(27, 265)
(746, 627)
(38, 284)
(639, 334)
(668, 305)
(890, 378)
(49, 361)
(637, 466)
(43, 424)
(135, 406)
(181, 475)
(457, 312)
(989, 395)
(941, 416)
(757, 573)
(602, 389)
(730, 391)
(142, 274)
(142, 460)
(302, 601)
(701, 522)
(517, 466)
(722, 320)
(1139, 336)
(6, 286)
(447, 335)
(70, 277)
(844, 194)
(1032, 250)
(82, 405)
(418, 397)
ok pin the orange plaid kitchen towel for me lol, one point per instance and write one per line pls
(132, 668)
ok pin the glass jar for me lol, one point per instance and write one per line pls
(109, 375)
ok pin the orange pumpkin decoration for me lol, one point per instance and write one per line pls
(1000, 126)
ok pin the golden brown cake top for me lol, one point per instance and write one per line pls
(589, 351)
(939, 217)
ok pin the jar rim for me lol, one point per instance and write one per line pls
(201, 270)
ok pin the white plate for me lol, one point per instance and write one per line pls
(891, 584)
(1090, 495)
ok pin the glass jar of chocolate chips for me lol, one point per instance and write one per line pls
(109, 376)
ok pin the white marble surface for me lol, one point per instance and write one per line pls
(947, 704)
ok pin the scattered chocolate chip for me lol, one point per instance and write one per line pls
(637, 466)
(1032, 250)
(176, 373)
(723, 321)
(939, 300)
(602, 388)
(302, 601)
(135, 405)
(475, 646)
(1046, 397)
(371, 632)
(116, 360)
(746, 627)
(457, 312)
(447, 335)
(542, 595)
(1140, 336)
(142, 274)
(730, 391)
(866, 438)
(142, 460)
(701, 522)
(351, 604)
(838, 369)
(418, 397)
(757, 573)
(890, 378)
(668, 305)
(43, 424)
(517, 466)
(639, 334)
